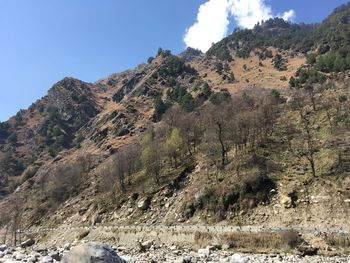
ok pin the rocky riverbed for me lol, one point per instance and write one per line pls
(146, 253)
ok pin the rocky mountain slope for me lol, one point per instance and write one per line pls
(253, 132)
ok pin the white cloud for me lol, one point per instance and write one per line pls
(214, 17)
(211, 26)
(247, 13)
(288, 15)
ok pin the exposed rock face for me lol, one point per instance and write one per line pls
(92, 253)
(128, 87)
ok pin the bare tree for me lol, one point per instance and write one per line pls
(217, 135)
(151, 156)
(305, 142)
(131, 158)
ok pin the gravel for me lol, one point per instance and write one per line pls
(155, 253)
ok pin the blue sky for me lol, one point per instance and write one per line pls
(43, 41)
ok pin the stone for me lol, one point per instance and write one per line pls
(32, 258)
(28, 243)
(18, 255)
(144, 204)
(92, 253)
(126, 258)
(67, 246)
(286, 201)
(97, 219)
(55, 255)
(238, 258)
(3, 248)
(187, 259)
(204, 252)
(146, 245)
(47, 259)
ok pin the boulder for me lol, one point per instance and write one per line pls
(144, 203)
(92, 253)
(55, 255)
(146, 245)
(204, 252)
(28, 243)
(18, 256)
(238, 258)
(3, 248)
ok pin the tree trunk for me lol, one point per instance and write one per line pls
(223, 149)
(330, 121)
(312, 166)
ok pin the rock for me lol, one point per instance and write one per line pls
(48, 259)
(226, 246)
(67, 246)
(307, 250)
(126, 258)
(144, 203)
(97, 219)
(28, 243)
(187, 259)
(55, 255)
(204, 252)
(172, 248)
(3, 248)
(238, 258)
(92, 253)
(286, 201)
(189, 210)
(83, 234)
(146, 245)
(32, 258)
(130, 211)
(134, 196)
(18, 255)
(82, 211)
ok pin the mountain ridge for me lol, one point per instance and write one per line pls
(254, 131)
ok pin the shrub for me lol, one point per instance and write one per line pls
(220, 97)
(53, 112)
(187, 102)
(342, 98)
(159, 107)
(150, 59)
(12, 138)
(207, 90)
(219, 67)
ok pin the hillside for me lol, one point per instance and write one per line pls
(254, 132)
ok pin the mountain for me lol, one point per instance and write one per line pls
(255, 132)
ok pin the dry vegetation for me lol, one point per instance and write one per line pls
(259, 242)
